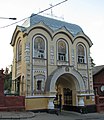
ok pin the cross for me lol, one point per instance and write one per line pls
(51, 9)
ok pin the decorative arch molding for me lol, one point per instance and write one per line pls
(78, 80)
(86, 38)
(41, 26)
(65, 32)
(15, 34)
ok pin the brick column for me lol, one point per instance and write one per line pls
(2, 97)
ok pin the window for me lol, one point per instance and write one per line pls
(81, 54)
(61, 50)
(87, 97)
(19, 50)
(39, 85)
(39, 47)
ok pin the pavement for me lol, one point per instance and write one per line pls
(16, 115)
(66, 115)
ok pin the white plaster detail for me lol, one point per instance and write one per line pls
(52, 55)
(27, 53)
(50, 103)
(76, 101)
(81, 101)
(85, 82)
(80, 86)
(73, 59)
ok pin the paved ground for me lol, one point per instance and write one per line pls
(64, 115)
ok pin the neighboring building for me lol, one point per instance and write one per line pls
(98, 84)
(52, 57)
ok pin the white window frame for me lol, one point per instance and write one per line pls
(64, 57)
(36, 52)
(80, 58)
(19, 56)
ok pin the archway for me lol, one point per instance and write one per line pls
(66, 80)
(68, 71)
(65, 86)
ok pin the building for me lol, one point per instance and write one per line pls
(98, 84)
(52, 57)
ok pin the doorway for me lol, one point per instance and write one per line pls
(67, 96)
(65, 86)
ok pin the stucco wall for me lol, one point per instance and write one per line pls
(36, 103)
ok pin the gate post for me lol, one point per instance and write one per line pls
(1, 83)
(81, 101)
(50, 102)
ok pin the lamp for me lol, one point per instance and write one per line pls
(8, 18)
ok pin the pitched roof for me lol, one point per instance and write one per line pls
(97, 69)
(54, 24)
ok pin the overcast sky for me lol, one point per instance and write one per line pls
(88, 14)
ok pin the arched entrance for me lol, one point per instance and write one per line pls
(67, 82)
(65, 86)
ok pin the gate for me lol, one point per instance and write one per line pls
(99, 103)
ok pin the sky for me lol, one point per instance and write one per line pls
(88, 14)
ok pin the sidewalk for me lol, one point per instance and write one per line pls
(45, 116)
(88, 116)
(16, 115)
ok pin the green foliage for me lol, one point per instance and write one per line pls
(7, 80)
(92, 62)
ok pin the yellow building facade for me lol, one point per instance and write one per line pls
(52, 58)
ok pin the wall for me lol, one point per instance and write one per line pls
(9, 103)
(36, 103)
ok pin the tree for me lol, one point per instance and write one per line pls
(92, 62)
(7, 80)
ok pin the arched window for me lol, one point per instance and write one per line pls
(39, 47)
(19, 50)
(40, 79)
(81, 53)
(62, 51)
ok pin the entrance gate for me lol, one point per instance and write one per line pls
(67, 96)
(67, 81)
(67, 99)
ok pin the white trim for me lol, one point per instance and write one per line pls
(85, 58)
(86, 94)
(41, 96)
(33, 44)
(66, 54)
